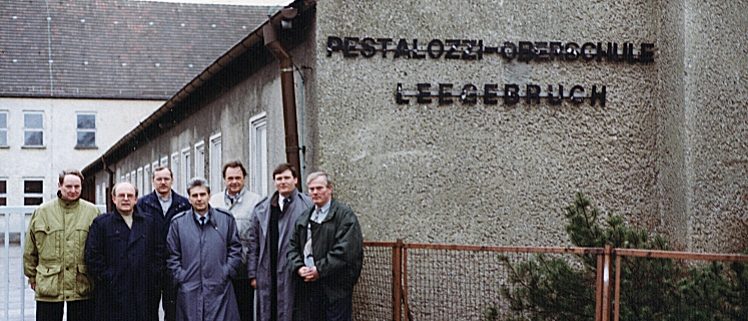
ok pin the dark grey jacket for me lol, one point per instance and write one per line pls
(202, 260)
(338, 250)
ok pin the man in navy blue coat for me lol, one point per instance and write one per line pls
(124, 254)
(161, 206)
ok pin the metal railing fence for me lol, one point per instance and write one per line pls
(408, 281)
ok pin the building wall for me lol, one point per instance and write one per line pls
(229, 115)
(666, 151)
(59, 150)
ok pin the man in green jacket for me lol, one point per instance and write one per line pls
(53, 257)
(325, 254)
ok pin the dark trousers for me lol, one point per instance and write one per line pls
(322, 310)
(82, 310)
(169, 302)
(245, 299)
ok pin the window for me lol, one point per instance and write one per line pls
(133, 178)
(139, 184)
(127, 177)
(33, 191)
(258, 158)
(215, 162)
(3, 128)
(33, 129)
(200, 159)
(147, 184)
(3, 192)
(185, 170)
(165, 161)
(86, 131)
(175, 168)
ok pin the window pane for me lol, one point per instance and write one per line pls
(3, 187)
(32, 200)
(86, 121)
(3, 201)
(3, 138)
(33, 187)
(86, 139)
(33, 138)
(33, 121)
(3, 120)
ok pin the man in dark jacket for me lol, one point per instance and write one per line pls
(124, 254)
(161, 206)
(204, 255)
(326, 254)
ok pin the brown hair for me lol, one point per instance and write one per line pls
(285, 167)
(67, 172)
(233, 164)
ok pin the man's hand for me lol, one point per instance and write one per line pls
(33, 286)
(253, 283)
(309, 274)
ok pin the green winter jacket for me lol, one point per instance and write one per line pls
(53, 255)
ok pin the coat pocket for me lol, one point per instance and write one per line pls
(48, 241)
(48, 280)
(82, 282)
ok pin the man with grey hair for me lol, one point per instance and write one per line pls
(204, 254)
(125, 256)
(325, 254)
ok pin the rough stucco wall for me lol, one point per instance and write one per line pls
(716, 112)
(486, 174)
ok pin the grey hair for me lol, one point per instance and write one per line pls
(197, 182)
(319, 174)
(114, 189)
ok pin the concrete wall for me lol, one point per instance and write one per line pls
(114, 118)
(661, 152)
(229, 114)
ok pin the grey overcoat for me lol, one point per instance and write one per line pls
(202, 261)
(258, 262)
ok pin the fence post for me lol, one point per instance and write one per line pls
(617, 293)
(598, 288)
(606, 283)
(396, 279)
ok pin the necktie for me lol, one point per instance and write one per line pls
(286, 201)
(202, 220)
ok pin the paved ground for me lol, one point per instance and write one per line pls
(14, 289)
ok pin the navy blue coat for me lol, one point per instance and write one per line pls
(151, 207)
(125, 267)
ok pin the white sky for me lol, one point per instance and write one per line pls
(235, 2)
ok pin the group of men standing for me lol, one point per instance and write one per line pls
(202, 256)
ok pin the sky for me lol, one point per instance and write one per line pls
(236, 2)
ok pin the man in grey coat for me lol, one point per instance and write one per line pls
(204, 254)
(271, 228)
(240, 202)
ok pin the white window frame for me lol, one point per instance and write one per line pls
(29, 195)
(185, 169)
(147, 180)
(134, 178)
(28, 129)
(215, 162)
(258, 157)
(84, 130)
(5, 195)
(164, 161)
(4, 130)
(200, 159)
(174, 167)
(139, 180)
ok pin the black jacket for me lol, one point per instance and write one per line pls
(125, 266)
(151, 207)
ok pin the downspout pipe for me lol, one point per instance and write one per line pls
(110, 186)
(270, 36)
